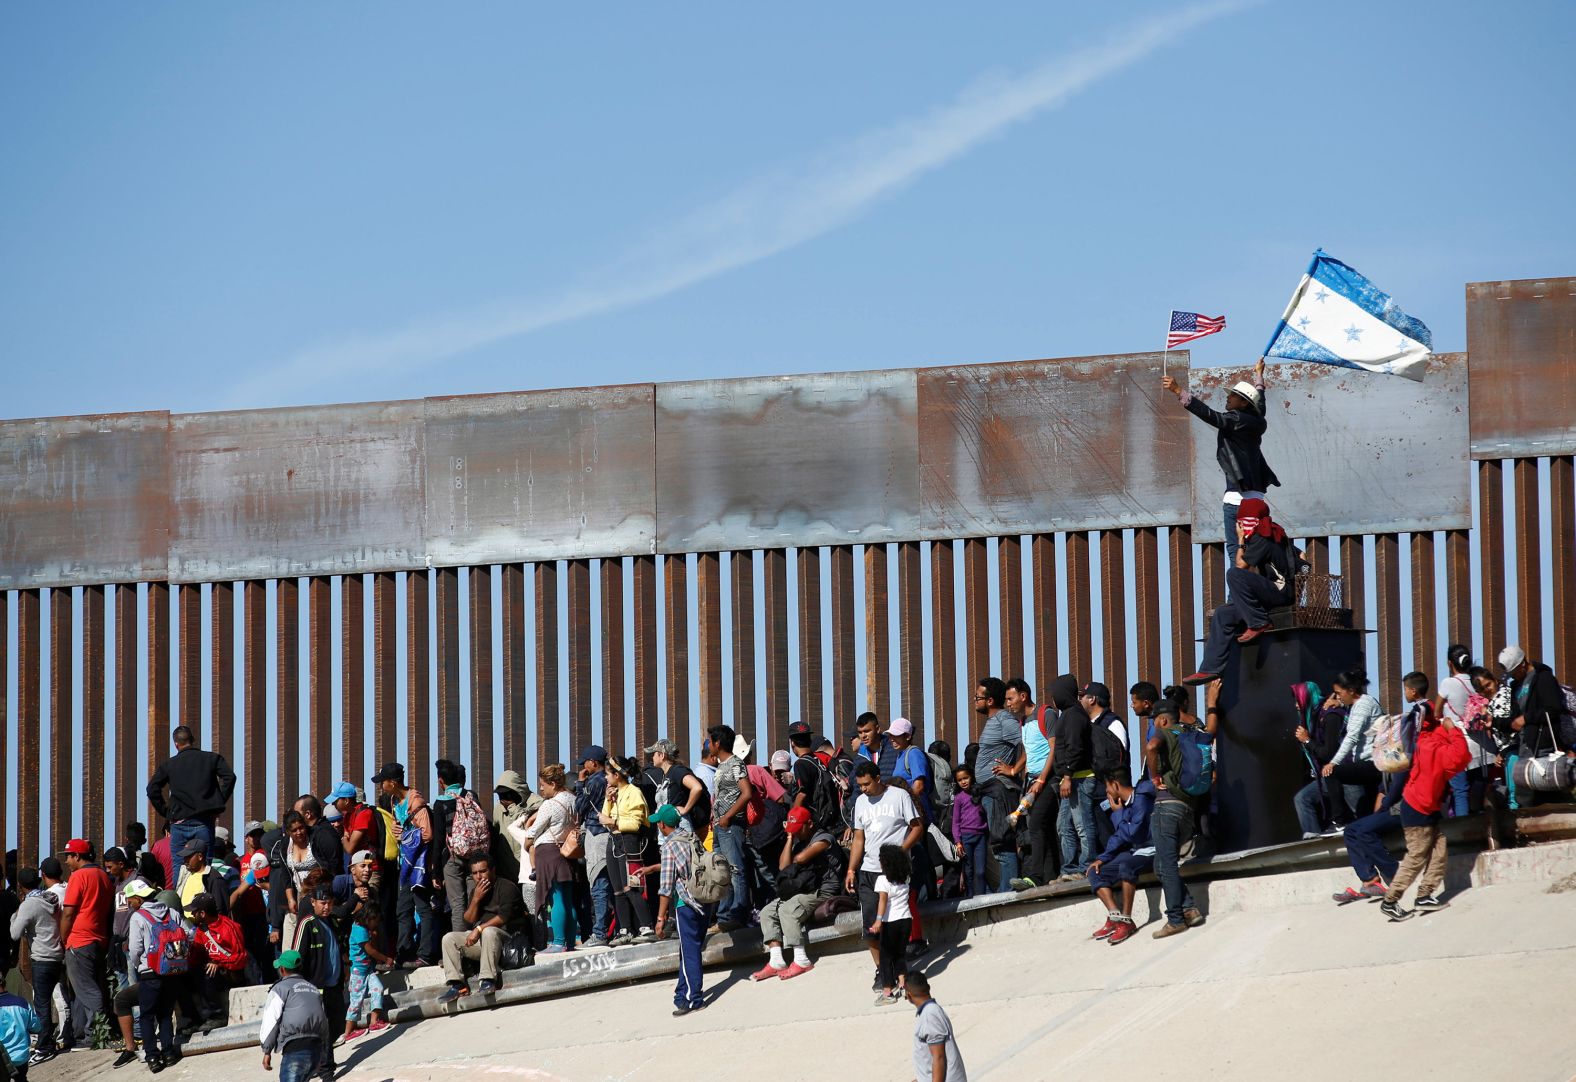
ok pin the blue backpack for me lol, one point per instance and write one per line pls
(1197, 774)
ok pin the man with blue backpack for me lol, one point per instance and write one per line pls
(1180, 759)
(158, 943)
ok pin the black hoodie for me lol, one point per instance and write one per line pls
(1074, 750)
(1540, 711)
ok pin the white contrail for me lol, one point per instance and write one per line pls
(760, 219)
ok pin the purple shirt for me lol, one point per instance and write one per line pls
(967, 815)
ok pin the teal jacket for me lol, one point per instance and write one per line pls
(18, 1023)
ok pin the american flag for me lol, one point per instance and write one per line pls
(1186, 326)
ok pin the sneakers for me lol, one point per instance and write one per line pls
(155, 1064)
(486, 987)
(553, 948)
(1193, 917)
(877, 985)
(44, 1055)
(1309, 835)
(126, 1056)
(766, 973)
(377, 1025)
(1023, 882)
(1195, 679)
(623, 939)
(794, 970)
(886, 999)
(646, 936)
(1169, 929)
(1253, 633)
(355, 1035)
(916, 947)
(681, 1011)
(1374, 888)
(1125, 929)
(1105, 930)
(1429, 902)
(452, 993)
(1394, 911)
(594, 942)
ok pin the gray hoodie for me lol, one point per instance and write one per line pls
(38, 919)
(140, 932)
(506, 846)
(294, 1012)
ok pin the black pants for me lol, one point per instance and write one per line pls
(156, 1001)
(893, 944)
(46, 975)
(1045, 860)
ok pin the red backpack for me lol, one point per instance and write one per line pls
(168, 955)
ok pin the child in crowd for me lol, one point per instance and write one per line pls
(969, 831)
(893, 919)
(365, 985)
(1441, 752)
(18, 1023)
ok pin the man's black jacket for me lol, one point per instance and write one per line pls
(200, 783)
(1237, 438)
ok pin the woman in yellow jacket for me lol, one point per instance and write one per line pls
(625, 814)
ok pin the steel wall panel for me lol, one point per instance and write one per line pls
(479, 581)
(548, 716)
(63, 750)
(647, 650)
(542, 475)
(1146, 603)
(516, 709)
(287, 690)
(1529, 558)
(418, 702)
(1080, 623)
(789, 460)
(1458, 586)
(581, 662)
(708, 627)
(87, 499)
(675, 600)
(878, 634)
(1387, 587)
(1184, 654)
(309, 491)
(741, 603)
(1047, 652)
(1522, 339)
(911, 633)
(945, 724)
(1425, 636)
(1356, 453)
(811, 701)
(320, 684)
(95, 614)
(978, 662)
(774, 632)
(845, 707)
(1009, 578)
(254, 695)
(188, 667)
(385, 673)
(1030, 446)
(5, 711)
(614, 699)
(221, 685)
(446, 632)
(1562, 522)
(1113, 623)
(29, 721)
(158, 656)
(1491, 554)
(353, 682)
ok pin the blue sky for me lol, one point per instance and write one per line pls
(223, 206)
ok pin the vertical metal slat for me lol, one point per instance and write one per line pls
(1562, 523)
(1009, 578)
(353, 682)
(481, 765)
(287, 694)
(447, 632)
(845, 705)
(911, 635)
(1080, 626)
(708, 625)
(1529, 559)
(1113, 602)
(675, 600)
(947, 724)
(320, 680)
(62, 717)
(581, 661)
(385, 675)
(614, 698)
(1491, 553)
(1047, 651)
(878, 633)
(254, 691)
(221, 685)
(741, 604)
(976, 621)
(1387, 573)
(774, 628)
(94, 618)
(29, 721)
(1425, 639)
(158, 681)
(516, 709)
(1184, 652)
(810, 687)
(548, 714)
(418, 705)
(1146, 609)
(189, 609)
(647, 649)
(1458, 586)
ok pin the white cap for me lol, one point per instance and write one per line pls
(901, 727)
(1251, 393)
(741, 746)
(1511, 657)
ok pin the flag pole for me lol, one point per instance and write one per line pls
(1165, 354)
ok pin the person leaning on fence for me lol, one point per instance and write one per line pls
(1263, 578)
(1239, 437)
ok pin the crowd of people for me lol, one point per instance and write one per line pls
(611, 851)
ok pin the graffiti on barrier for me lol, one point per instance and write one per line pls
(588, 964)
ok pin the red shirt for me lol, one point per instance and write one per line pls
(361, 818)
(91, 890)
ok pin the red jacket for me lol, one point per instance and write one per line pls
(1441, 754)
(220, 943)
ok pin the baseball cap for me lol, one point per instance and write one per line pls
(780, 760)
(330, 813)
(222, 833)
(254, 826)
(1511, 657)
(901, 727)
(169, 898)
(800, 729)
(117, 854)
(136, 888)
(258, 862)
(363, 857)
(78, 847)
(798, 819)
(596, 753)
(390, 772)
(1098, 692)
(192, 849)
(288, 960)
(667, 816)
(343, 791)
(666, 747)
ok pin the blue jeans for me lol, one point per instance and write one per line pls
(197, 829)
(300, 1064)
(729, 841)
(1460, 794)
(1367, 853)
(1170, 827)
(690, 989)
(1075, 825)
(974, 846)
(1228, 514)
(46, 975)
(1123, 868)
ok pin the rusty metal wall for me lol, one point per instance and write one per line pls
(1521, 337)
(1356, 453)
(335, 493)
(86, 499)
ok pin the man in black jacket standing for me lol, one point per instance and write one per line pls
(200, 783)
(1072, 765)
(1239, 433)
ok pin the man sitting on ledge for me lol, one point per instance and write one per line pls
(1264, 578)
(493, 907)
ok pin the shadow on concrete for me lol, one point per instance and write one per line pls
(932, 964)
(368, 1046)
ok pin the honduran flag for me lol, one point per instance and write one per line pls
(1338, 317)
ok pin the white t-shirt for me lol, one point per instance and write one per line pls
(884, 822)
(932, 1026)
(897, 898)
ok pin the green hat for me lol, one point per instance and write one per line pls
(667, 816)
(169, 898)
(288, 960)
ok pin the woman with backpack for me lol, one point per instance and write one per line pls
(626, 816)
(157, 943)
(1461, 702)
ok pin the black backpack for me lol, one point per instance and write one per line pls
(1110, 754)
(825, 800)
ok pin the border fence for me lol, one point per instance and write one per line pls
(503, 578)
